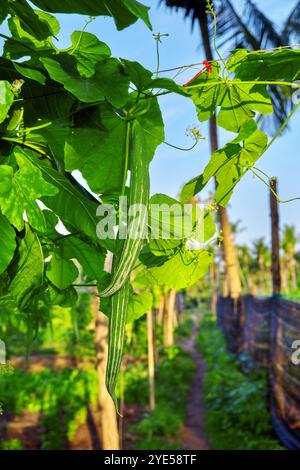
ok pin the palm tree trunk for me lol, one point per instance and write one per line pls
(276, 274)
(233, 280)
(109, 427)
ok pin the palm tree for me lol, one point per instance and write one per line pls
(253, 30)
(262, 256)
(289, 241)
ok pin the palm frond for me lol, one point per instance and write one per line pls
(291, 28)
(251, 30)
(194, 9)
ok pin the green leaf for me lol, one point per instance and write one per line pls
(30, 270)
(168, 218)
(24, 43)
(149, 258)
(29, 70)
(90, 257)
(51, 102)
(7, 242)
(183, 270)
(99, 153)
(6, 99)
(38, 24)
(139, 305)
(6, 177)
(3, 10)
(190, 189)
(88, 51)
(60, 271)
(229, 163)
(64, 298)
(27, 186)
(63, 69)
(210, 95)
(124, 12)
(149, 130)
(84, 219)
(51, 221)
(142, 79)
(239, 103)
(277, 65)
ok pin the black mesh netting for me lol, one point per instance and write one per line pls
(266, 329)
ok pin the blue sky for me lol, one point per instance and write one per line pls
(171, 168)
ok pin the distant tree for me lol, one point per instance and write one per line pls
(289, 264)
(262, 256)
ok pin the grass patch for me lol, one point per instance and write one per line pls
(61, 397)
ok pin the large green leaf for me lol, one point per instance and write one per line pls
(61, 272)
(149, 131)
(229, 164)
(138, 305)
(277, 65)
(6, 177)
(210, 93)
(32, 21)
(88, 51)
(24, 43)
(51, 101)
(64, 298)
(3, 10)
(99, 152)
(27, 186)
(6, 99)
(182, 270)
(89, 256)
(77, 212)
(30, 269)
(168, 218)
(142, 79)
(237, 101)
(7, 242)
(124, 12)
(63, 69)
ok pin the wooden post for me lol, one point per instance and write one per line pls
(151, 359)
(169, 312)
(276, 275)
(109, 426)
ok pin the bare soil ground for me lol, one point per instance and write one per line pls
(193, 434)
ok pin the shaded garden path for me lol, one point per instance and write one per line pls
(193, 434)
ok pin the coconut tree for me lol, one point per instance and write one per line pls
(247, 263)
(262, 256)
(288, 244)
(252, 30)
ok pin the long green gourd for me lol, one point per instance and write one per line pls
(139, 195)
(117, 322)
(126, 259)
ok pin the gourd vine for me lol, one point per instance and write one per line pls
(81, 109)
